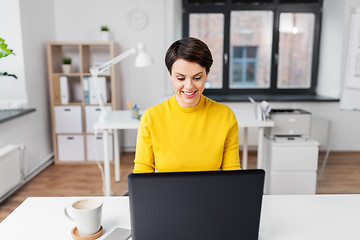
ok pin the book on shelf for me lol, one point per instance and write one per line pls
(64, 90)
(100, 85)
(86, 87)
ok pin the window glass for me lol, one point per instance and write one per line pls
(244, 64)
(295, 50)
(250, 49)
(209, 27)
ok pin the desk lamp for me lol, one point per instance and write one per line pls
(142, 60)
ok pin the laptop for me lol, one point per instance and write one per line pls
(215, 205)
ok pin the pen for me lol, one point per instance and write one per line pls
(129, 104)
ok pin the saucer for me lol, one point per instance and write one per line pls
(76, 236)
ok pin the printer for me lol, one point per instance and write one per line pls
(290, 156)
(289, 123)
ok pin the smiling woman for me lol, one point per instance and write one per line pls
(187, 132)
(188, 79)
(188, 62)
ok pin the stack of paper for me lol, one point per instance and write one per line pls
(261, 110)
(97, 91)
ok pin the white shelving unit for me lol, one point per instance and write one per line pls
(73, 136)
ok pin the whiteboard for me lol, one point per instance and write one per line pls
(351, 93)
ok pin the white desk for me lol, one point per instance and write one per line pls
(122, 119)
(249, 121)
(292, 217)
(118, 119)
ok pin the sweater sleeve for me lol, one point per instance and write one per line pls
(144, 155)
(231, 159)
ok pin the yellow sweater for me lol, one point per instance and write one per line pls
(176, 139)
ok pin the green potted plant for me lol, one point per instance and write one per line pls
(4, 52)
(104, 28)
(66, 65)
(105, 34)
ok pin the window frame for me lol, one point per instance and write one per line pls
(277, 8)
(244, 61)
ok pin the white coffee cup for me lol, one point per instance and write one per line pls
(86, 213)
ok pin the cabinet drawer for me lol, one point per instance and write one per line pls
(68, 119)
(92, 114)
(71, 147)
(292, 183)
(95, 148)
(294, 158)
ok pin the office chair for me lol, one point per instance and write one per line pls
(321, 132)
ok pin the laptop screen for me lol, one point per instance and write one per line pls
(196, 205)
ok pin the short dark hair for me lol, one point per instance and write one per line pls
(190, 49)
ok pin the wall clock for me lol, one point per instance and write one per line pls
(137, 19)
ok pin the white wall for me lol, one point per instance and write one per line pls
(36, 32)
(332, 34)
(34, 27)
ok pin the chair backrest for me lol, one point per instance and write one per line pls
(321, 131)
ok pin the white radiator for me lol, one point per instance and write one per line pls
(10, 167)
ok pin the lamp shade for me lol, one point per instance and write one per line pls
(142, 58)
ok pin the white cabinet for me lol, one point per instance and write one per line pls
(291, 182)
(68, 119)
(92, 114)
(95, 148)
(71, 147)
(290, 166)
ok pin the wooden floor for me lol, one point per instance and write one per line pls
(341, 175)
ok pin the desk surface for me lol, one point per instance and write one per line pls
(283, 217)
(122, 119)
(248, 120)
(117, 119)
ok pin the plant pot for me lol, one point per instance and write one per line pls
(66, 68)
(105, 36)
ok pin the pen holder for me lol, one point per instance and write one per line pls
(135, 113)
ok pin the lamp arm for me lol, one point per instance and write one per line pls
(95, 71)
(105, 66)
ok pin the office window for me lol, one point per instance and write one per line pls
(262, 47)
(244, 67)
(250, 48)
(295, 50)
(210, 29)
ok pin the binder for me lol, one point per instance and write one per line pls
(100, 85)
(86, 88)
(64, 90)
